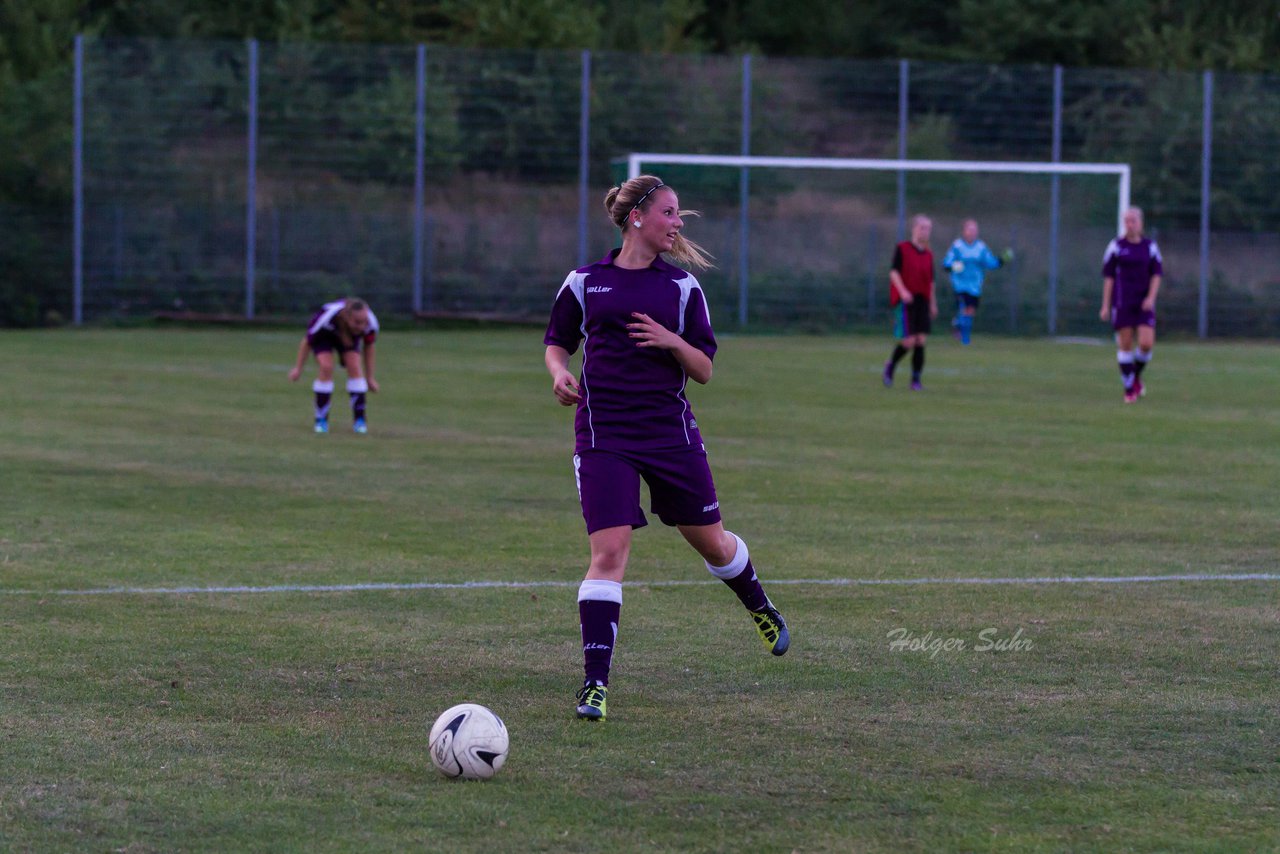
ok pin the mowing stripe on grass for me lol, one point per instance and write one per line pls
(521, 585)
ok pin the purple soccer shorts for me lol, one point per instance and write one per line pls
(1131, 316)
(680, 488)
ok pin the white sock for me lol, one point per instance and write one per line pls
(735, 566)
(600, 590)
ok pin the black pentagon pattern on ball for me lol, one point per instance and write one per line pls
(444, 743)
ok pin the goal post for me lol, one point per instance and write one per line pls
(637, 160)
(637, 163)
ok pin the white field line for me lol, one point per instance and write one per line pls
(525, 585)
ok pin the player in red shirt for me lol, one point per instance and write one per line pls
(912, 297)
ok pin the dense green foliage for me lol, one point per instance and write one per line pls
(35, 40)
(1227, 34)
(35, 82)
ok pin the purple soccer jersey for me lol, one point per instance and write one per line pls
(322, 331)
(633, 398)
(1131, 265)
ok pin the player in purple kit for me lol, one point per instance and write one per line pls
(349, 328)
(645, 332)
(1131, 272)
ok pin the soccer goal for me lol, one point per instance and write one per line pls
(1022, 201)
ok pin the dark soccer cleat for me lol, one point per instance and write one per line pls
(591, 703)
(1139, 388)
(916, 386)
(772, 629)
(887, 376)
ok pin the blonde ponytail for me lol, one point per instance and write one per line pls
(686, 253)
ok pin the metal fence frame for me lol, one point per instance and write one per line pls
(419, 301)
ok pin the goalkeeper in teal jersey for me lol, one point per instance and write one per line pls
(968, 261)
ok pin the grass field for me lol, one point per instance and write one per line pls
(1135, 716)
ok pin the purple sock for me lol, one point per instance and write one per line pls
(1125, 359)
(740, 575)
(356, 390)
(1140, 360)
(324, 394)
(599, 607)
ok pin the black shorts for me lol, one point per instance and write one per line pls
(967, 300)
(326, 341)
(912, 319)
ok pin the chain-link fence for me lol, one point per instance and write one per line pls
(261, 179)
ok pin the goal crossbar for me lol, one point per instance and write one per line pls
(636, 160)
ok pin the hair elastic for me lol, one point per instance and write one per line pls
(656, 186)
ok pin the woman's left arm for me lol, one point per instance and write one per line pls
(368, 366)
(649, 333)
(1149, 304)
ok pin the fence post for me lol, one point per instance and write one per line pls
(744, 189)
(584, 154)
(77, 186)
(871, 273)
(428, 260)
(1206, 161)
(1055, 188)
(251, 189)
(419, 172)
(117, 246)
(904, 84)
(1014, 296)
(276, 229)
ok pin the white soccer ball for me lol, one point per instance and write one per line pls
(957, 266)
(468, 741)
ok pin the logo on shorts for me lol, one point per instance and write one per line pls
(599, 289)
(715, 505)
(693, 425)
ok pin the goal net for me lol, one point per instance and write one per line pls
(806, 242)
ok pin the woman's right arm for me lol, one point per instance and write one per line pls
(1108, 284)
(895, 279)
(563, 384)
(304, 349)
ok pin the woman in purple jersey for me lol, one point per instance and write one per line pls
(645, 331)
(348, 327)
(1131, 272)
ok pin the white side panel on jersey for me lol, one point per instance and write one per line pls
(576, 282)
(1113, 248)
(687, 286)
(330, 309)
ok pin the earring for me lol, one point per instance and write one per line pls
(636, 223)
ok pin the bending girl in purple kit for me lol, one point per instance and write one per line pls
(645, 332)
(349, 328)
